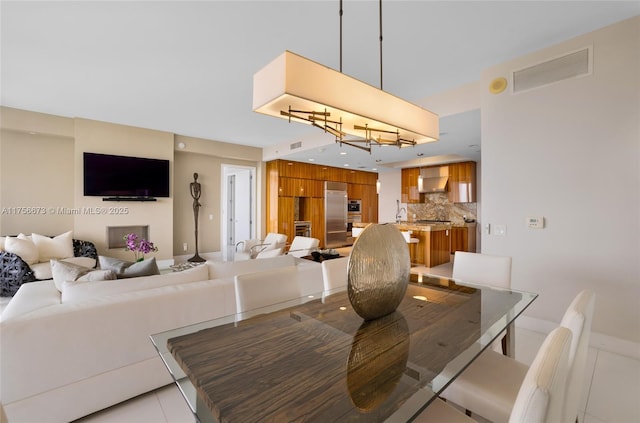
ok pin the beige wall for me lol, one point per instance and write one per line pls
(54, 177)
(107, 138)
(205, 158)
(569, 152)
(36, 183)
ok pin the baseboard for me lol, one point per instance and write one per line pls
(598, 340)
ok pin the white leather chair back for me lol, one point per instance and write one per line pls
(482, 269)
(577, 318)
(302, 246)
(334, 273)
(260, 289)
(273, 252)
(541, 395)
(274, 240)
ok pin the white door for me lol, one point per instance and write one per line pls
(239, 192)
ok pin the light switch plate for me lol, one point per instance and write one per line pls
(535, 222)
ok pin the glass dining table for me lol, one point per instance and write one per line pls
(314, 359)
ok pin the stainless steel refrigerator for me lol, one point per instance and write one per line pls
(335, 214)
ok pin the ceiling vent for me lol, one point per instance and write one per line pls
(295, 145)
(564, 67)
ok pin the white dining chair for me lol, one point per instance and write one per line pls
(578, 319)
(480, 391)
(541, 394)
(261, 289)
(302, 246)
(484, 269)
(334, 273)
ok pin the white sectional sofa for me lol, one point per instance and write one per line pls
(66, 355)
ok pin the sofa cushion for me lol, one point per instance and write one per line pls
(73, 291)
(58, 247)
(127, 269)
(64, 271)
(42, 271)
(22, 247)
(30, 297)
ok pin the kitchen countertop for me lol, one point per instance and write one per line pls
(418, 226)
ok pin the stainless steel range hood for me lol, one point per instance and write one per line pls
(433, 179)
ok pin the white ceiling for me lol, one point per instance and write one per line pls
(187, 67)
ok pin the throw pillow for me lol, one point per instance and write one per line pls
(127, 269)
(23, 247)
(43, 271)
(63, 271)
(97, 275)
(54, 248)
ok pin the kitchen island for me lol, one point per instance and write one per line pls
(433, 246)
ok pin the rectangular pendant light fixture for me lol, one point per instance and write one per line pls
(298, 89)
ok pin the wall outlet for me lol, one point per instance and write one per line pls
(184, 246)
(500, 230)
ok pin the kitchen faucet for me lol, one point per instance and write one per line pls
(399, 211)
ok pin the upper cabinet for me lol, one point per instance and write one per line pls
(409, 193)
(461, 185)
(462, 182)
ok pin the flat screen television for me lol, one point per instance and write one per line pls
(123, 177)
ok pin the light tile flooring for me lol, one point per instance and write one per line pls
(611, 391)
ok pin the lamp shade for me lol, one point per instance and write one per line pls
(294, 83)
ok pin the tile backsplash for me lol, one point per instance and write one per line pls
(438, 207)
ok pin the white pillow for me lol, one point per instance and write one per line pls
(63, 271)
(25, 248)
(54, 248)
(42, 271)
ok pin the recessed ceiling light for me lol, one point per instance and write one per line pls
(346, 165)
(290, 164)
(343, 153)
(473, 145)
(420, 154)
(378, 160)
(312, 160)
(374, 169)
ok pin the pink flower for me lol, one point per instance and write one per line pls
(139, 248)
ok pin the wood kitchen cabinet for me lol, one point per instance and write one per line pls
(289, 182)
(355, 191)
(369, 204)
(463, 238)
(462, 182)
(409, 192)
(459, 239)
(297, 187)
(432, 248)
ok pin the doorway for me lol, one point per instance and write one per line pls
(239, 205)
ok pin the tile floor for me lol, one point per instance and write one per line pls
(611, 392)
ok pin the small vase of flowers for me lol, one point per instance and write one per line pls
(140, 247)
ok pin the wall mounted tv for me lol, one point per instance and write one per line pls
(119, 178)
